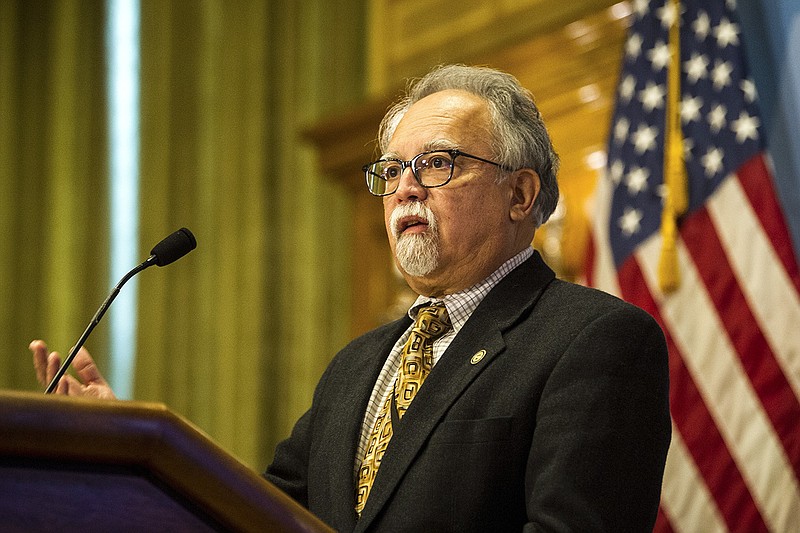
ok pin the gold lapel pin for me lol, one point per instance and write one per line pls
(477, 357)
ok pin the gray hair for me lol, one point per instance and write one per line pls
(520, 137)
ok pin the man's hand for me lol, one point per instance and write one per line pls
(90, 382)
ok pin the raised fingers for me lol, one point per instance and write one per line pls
(89, 381)
(94, 384)
(45, 364)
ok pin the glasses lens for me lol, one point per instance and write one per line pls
(434, 169)
(382, 177)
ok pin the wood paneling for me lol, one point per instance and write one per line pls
(408, 36)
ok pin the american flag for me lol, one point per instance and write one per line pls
(732, 321)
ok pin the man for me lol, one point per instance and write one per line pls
(506, 399)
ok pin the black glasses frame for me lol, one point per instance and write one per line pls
(411, 163)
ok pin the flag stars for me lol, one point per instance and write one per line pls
(659, 56)
(644, 138)
(652, 96)
(641, 7)
(688, 147)
(726, 33)
(621, 129)
(636, 180)
(721, 74)
(712, 161)
(627, 88)
(630, 221)
(745, 127)
(633, 47)
(690, 109)
(716, 118)
(615, 171)
(667, 15)
(696, 68)
(701, 26)
(748, 89)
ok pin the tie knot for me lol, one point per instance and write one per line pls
(432, 321)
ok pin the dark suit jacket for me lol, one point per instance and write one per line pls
(562, 426)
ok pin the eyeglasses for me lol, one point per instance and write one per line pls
(430, 169)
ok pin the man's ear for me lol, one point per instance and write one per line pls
(525, 185)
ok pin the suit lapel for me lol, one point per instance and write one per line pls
(353, 388)
(459, 366)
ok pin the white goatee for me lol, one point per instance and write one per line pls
(417, 253)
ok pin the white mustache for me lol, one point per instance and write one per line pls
(413, 209)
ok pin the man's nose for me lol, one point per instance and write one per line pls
(409, 188)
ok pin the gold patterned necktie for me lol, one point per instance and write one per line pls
(416, 361)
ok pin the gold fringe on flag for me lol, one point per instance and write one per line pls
(675, 188)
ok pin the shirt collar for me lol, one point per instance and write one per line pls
(460, 305)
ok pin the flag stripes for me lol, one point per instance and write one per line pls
(684, 512)
(756, 182)
(741, 424)
(757, 266)
(726, 389)
(693, 420)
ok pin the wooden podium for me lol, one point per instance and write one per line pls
(71, 464)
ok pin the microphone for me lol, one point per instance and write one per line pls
(173, 247)
(169, 250)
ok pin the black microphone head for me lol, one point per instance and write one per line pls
(173, 247)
